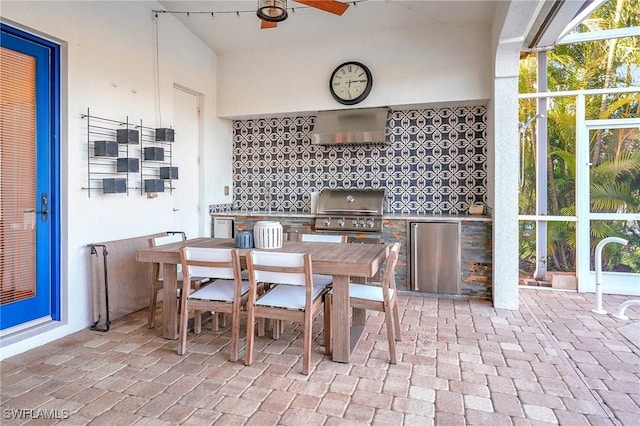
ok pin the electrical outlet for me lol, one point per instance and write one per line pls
(226, 190)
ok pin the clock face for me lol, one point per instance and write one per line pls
(350, 83)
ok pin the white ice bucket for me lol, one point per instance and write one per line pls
(267, 234)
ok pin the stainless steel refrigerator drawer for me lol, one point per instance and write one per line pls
(222, 227)
(435, 257)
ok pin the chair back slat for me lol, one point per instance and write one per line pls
(161, 241)
(167, 239)
(207, 262)
(278, 267)
(389, 277)
(323, 238)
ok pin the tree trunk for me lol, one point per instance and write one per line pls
(553, 192)
(597, 144)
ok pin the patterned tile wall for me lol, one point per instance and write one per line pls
(434, 163)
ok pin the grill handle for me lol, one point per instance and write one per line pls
(348, 212)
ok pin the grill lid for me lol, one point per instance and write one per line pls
(361, 202)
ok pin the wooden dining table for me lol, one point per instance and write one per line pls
(341, 261)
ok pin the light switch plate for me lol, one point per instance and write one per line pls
(226, 190)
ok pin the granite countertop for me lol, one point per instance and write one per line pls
(438, 217)
(265, 213)
(390, 216)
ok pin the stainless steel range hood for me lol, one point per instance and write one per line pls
(350, 126)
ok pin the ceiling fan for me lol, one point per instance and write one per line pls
(273, 11)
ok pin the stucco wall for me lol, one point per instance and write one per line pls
(411, 67)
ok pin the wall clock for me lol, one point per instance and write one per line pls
(350, 83)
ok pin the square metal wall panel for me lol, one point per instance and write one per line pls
(153, 153)
(168, 173)
(127, 136)
(114, 185)
(105, 149)
(128, 165)
(153, 185)
(165, 134)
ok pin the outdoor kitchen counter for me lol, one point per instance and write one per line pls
(389, 216)
(475, 242)
(273, 213)
(438, 217)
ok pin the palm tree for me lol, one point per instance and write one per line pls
(615, 174)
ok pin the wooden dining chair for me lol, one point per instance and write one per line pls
(158, 269)
(320, 278)
(226, 292)
(381, 298)
(294, 297)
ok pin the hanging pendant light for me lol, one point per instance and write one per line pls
(272, 10)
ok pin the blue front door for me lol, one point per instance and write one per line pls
(29, 179)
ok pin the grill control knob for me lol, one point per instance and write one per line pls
(326, 221)
(355, 223)
(341, 222)
(371, 223)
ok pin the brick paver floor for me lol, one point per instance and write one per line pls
(461, 362)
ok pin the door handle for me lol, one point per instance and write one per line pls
(44, 204)
(414, 253)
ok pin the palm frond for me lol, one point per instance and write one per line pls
(613, 197)
(627, 163)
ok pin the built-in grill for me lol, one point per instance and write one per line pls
(350, 210)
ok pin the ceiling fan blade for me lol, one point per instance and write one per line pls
(266, 25)
(331, 6)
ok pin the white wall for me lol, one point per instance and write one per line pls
(413, 66)
(110, 68)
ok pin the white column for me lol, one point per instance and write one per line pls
(504, 162)
(583, 209)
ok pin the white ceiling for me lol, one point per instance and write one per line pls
(227, 31)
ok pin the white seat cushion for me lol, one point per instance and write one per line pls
(322, 280)
(288, 296)
(179, 277)
(219, 290)
(367, 292)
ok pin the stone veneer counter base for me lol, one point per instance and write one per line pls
(475, 240)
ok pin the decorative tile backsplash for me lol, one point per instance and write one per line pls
(434, 163)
